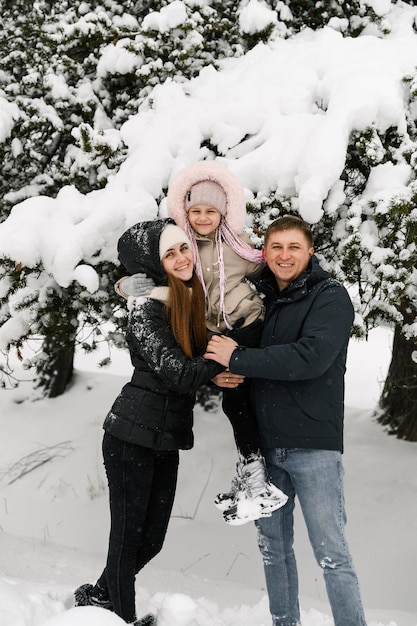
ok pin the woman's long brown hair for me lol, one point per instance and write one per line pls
(187, 315)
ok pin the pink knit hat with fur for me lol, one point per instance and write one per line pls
(207, 182)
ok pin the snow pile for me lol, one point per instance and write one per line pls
(281, 116)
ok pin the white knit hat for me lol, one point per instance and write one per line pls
(170, 236)
(206, 192)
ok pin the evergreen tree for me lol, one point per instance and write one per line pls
(385, 273)
(67, 111)
(370, 243)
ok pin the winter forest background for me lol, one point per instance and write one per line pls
(313, 104)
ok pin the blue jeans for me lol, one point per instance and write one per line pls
(316, 477)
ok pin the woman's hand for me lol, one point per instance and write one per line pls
(227, 380)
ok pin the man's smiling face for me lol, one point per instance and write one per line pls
(287, 254)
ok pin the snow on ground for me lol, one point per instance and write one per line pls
(54, 517)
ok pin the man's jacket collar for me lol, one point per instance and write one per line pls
(314, 274)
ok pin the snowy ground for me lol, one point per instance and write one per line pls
(54, 517)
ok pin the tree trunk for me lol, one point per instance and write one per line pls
(399, 397)
(55, 371)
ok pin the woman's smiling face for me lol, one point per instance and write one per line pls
(178, 261)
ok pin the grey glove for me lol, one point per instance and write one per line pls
(135, 285)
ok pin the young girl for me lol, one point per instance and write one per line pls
(208, 202)
(152, 417)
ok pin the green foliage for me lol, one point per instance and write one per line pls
(70, 101)
(68, 108)
(50, 69)
(209, 398)
(349, 16)
(377, 235)
(370, 241)
(45, 71)
(54, 319)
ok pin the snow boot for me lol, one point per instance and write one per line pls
(256, 497)
(146, 620)
(92, 595)
(224, 501)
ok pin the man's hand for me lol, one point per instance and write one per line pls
(227, 380)
(220, 349)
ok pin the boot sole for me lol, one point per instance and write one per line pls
(235, 519)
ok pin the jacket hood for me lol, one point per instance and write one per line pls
(138, 249)
(235, 214)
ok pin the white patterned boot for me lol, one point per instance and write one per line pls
(255, 496)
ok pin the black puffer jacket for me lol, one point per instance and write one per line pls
(155, 409)
(298, 371)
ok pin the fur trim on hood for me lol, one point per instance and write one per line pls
(235, 214)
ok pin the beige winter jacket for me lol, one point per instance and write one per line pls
(241, 301)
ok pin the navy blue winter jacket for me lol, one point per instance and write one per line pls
(298, 371)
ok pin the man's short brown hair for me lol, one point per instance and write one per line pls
(289, 222)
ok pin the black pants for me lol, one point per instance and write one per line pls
(142, 485)
(236, 403)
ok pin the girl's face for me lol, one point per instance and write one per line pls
(204, 219)
(178, 261)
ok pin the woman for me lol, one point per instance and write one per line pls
(152, 417)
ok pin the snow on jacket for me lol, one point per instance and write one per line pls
(241, 300)
(155, 409)
(298, 371)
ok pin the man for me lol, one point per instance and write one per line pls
(298, 396)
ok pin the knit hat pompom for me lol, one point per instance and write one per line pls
(170, 237)
(207, 192)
